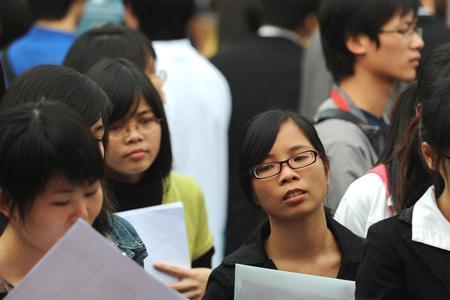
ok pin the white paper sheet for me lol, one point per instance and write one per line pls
(163, 231)
(84, 265)
(266, 284)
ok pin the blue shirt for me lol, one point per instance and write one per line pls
(39, 46)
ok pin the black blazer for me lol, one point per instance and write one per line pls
(395, 267)
(263, 73)
(252, 253)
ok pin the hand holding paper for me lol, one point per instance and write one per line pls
(192, 282)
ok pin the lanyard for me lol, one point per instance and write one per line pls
(339, 100)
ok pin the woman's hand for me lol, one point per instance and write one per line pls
(192, 282)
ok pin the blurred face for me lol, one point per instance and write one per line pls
(55, 210)
(134, 144)
(292, 193)
(398, 56)
(156, 78)
(98, 131)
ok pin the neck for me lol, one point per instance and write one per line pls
(17, 257)
(67, 24)
(443, 203)
(368, 91)
(300, 239)
(125, 178)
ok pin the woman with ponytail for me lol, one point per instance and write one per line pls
(408, 256)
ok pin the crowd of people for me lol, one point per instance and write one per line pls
(318, 145)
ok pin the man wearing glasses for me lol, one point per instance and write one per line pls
(368, 46)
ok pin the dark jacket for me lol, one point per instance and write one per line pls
(395, 267)
(252, 253)
(263, 73)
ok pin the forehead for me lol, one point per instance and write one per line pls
(289, 138)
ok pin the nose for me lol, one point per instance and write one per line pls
(417, 41)
(287, 174)
(80, 211)
(133, 135)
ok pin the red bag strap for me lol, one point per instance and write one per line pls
(381, 171)
(339, 100)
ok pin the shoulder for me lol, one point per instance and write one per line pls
(125, 237)
(351, 244)
(220, 283)
(184, 184)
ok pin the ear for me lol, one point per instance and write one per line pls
(429, 155)
(5, 204)
(130, 18)
(358, 44)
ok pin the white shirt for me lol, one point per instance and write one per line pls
(198, 108)
(363, 204)
(429, 226)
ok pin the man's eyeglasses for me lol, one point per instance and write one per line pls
(407, 32)
(299, 160)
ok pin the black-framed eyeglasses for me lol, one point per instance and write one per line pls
(407, 32)
(270, 169)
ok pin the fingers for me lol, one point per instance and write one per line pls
(172, 270)
(189, 288)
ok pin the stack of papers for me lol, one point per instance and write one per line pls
(266, 284)
(84, 265)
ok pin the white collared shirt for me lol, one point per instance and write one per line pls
(198, 108)
(363, 204)
(429, 226)
(275, 31)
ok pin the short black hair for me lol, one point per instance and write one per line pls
(109, 41)
(259, 136)
(340, 19)
(163, 19)
(289, 14)
(49, 9)
(125, 83)
(39, 141)
(60, 83)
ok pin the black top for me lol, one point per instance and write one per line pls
(145, 193)
(396, 267)
(252, 253)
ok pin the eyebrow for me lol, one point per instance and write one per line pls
(144, 112)
(293, 149)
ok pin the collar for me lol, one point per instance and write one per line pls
(275, 31)
(423, 11)
(253, 253)
(429, 226)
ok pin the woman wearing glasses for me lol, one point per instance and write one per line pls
(284, 171)
(139, 161)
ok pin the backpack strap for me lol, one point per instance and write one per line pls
(381, 171)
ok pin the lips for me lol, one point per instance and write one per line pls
(137, 152)
(291, 194)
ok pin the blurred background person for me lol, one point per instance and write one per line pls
(48, 40)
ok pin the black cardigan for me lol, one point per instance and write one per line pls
(252, 253)
(396, 267)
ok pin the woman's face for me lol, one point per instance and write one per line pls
(134, 144)
(292, 193)
(55, 210)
